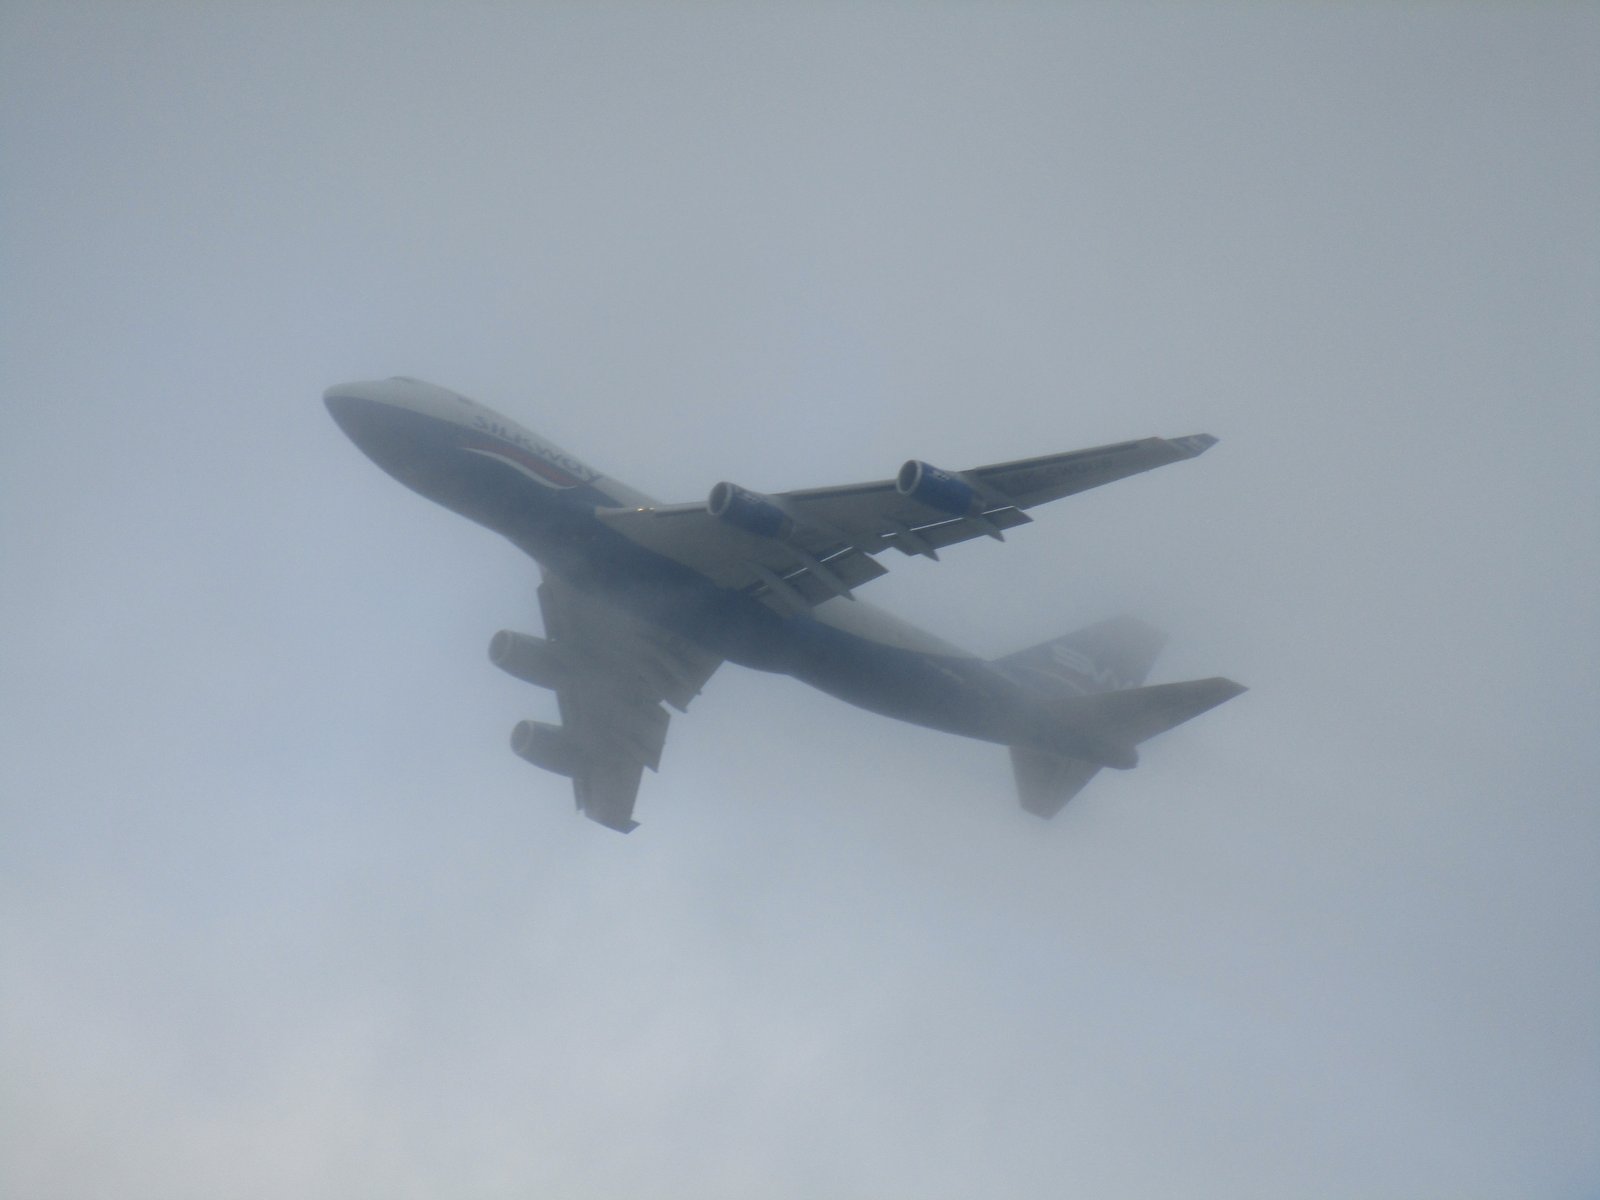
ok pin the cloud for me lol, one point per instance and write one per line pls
(280, 913)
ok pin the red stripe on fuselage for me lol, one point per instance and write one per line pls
(515, 453)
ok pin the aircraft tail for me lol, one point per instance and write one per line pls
(1102, 730)
(1102, 657)
(1095, 711)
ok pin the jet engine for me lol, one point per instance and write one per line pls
(749, 511)
(944, 491)
(531, 659)
(546, 746)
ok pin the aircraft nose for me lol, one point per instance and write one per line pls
(342, 397)
(350, 405)
(383, 414)
(360, 412)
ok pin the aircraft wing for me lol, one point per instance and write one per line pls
(619, 672)
(794, 550)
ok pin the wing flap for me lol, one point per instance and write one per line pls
(791, 575)
(946, 532)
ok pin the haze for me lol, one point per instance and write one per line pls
(280, 913)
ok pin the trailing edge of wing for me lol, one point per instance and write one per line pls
(792, 574)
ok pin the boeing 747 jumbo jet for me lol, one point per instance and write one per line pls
(643, 601)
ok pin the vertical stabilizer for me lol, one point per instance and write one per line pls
(1103, 657)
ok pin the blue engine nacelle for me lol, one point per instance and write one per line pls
(942, 490)
(749, 511)
(531, 659)
(546, 746)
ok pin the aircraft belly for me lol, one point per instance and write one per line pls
(952, 694)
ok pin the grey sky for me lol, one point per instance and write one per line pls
(280, 914)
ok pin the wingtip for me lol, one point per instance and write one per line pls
(1195, 443)
(625, 825)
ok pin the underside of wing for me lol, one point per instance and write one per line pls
(605, 791)
(795, 550)
(610, 673)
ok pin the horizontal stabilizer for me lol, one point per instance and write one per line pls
(1131, 716)
(1046, 781)
(1102, 730)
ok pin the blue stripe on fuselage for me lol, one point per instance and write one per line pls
(444, 461)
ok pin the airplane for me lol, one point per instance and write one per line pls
(642, 602)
